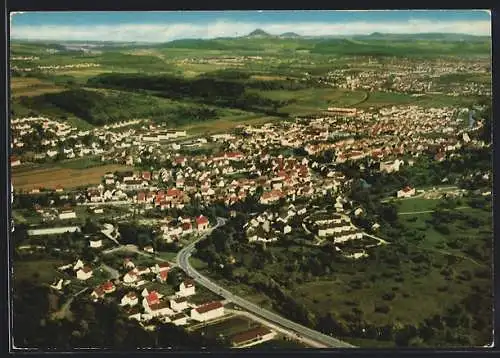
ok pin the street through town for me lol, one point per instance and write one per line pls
(300, 331)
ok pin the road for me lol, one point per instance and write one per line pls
(113, 273)
(64, 310)
(301, 331)
(107, 231)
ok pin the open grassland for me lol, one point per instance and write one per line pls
(227, 123)
(433, 239)
(268, 78)
(416, 205)
(67, 178)
(406, 308)
(28, 86)
(39, 271)
(314, 99)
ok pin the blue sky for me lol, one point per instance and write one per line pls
(167, 26)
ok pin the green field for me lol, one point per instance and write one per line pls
(38, 271)
(167, 255)
(416, 204)
(197, 264)
(314, 99)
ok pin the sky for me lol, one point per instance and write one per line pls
(168, 26)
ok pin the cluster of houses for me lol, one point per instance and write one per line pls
(270, 225)
(412, 76)
(81, 270)
(337, 227)
(174, 229)
(52, 139)
(54, 67)
(143, 304)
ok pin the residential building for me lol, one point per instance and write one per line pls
(208, 311)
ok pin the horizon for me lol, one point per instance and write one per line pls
(157, 27)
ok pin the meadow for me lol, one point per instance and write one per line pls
(50, 178)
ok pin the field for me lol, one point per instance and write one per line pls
(227, 123)
(313, 100)
(28, 86)
(68, 178)
(436, 239)
(39, 271)
(416, 205)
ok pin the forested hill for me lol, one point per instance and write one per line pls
(107, 106)
(210, 91)
(385, 46)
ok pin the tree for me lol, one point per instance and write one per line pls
(388, 212)
(90, 227)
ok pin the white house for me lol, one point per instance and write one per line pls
(252, 337)
(57, 286)
(390, 167)
(95, 243)
(186, 288)
(349, 235)
(14, 161)
(84, 273)
(129, 299)
(128, 264)
(67, 214)
(208, 311)
(129, 277)
(97, 293)
(108, 287)
(406, 192)
(154, 306)
(139, 270)
(358, 211)
(179, 319)
(179, 304)
(78, 265)
(202, 223)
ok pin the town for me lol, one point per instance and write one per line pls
(265, 190)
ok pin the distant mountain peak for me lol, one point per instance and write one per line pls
(258, 33)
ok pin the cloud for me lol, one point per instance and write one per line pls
(168, 32)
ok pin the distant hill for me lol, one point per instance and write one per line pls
(400, 46)
(197, 44)
(289, 35)
(259, 34)
(429, 36)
